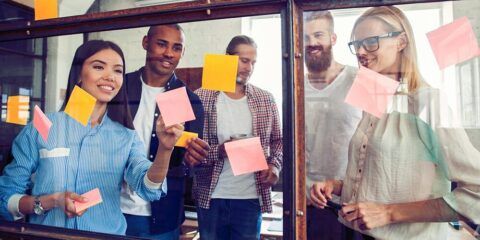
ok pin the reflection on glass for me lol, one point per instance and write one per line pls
(21, 74)
(169, 52)
(414, 168)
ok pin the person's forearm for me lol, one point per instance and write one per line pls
(159, 168)
(433, 210)
(25, 206)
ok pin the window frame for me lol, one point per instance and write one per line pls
(291, 12)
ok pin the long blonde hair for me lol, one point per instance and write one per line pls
(394, 20)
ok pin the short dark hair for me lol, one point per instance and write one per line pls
(314, 15)
(237, 40)
(173, 25)
(118, 109)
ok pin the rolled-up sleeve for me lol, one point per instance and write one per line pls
(457, 159)
(463, 167)
(136, 173)
(16, 176)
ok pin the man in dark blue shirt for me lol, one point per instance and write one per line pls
(164, 45)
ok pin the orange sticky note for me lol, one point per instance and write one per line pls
(45, 9)
(18, 109)
(175, 106)
(453, 43)
(80, 105)
(220, 72)
(94, 197)
(182, 141)
(371, 92)
(41, 123)
(246, 156)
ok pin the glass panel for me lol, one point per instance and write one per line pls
(83, 154)
(72, 8)
(390, 130)
(12, 11)
(20, 75)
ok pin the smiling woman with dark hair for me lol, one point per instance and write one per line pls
(76, 159)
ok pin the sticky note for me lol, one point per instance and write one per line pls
(94, 197)
(80, 105)
(453, 43)
(371, 92)
(220, 72)
(41, 123)
(18, 109)
(45, 9)
(246, 156)
(175, 106)
(182, 141)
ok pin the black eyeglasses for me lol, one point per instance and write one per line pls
(370, 44)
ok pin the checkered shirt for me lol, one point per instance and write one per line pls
(266, 125)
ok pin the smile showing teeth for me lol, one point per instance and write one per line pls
(108, 88)
(166, 64)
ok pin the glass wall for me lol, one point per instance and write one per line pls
(391, 120)
(392, 112)
(74, 159)
(21, 75)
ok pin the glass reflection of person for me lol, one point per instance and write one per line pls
(76, 158)
(397, 184)
(329, 121)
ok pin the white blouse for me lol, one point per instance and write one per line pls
(412, 156)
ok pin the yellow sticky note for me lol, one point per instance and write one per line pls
(45, 9)
(182, 141)
(80, 105)
(18, 109)
(220, 72)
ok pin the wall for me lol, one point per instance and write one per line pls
(200, 39)
(59, 55)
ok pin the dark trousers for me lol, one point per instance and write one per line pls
(323, 224)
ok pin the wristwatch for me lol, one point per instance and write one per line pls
(37, 206)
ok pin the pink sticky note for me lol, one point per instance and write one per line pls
(93, 197)
(453, 43)
(41, 123)
(371, 92)
(246, 156)
(175, 106)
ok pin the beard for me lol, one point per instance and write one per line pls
(318, 63)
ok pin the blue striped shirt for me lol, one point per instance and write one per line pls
(99, 157)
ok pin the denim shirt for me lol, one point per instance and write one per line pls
(78, 158)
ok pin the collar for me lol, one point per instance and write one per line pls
(105, 120)
(171, 83)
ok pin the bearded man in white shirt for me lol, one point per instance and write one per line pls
(329, 121)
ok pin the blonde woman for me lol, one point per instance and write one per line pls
(398, 180)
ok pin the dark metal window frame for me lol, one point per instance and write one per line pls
(291, 12)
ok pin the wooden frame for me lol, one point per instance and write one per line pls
(292, 48)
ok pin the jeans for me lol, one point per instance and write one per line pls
(230, 219)
(139, 226)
